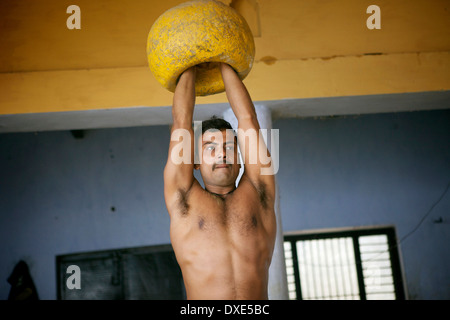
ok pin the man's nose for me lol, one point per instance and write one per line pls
(221, 153)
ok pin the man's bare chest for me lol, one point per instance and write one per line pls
(229, 215)
(237, 225)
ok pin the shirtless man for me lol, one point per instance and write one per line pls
(223, 236)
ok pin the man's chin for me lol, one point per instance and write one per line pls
(223, 179)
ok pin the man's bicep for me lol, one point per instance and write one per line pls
(252, 146)
(258, 162)
(178, 172)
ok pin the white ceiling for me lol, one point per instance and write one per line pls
(289, 108)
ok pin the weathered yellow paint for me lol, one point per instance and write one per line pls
(196, 32)
(76, 90)
(305, 49)
(34, 37)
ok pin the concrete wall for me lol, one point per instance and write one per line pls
(62, 195)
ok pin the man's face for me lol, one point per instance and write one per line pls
(219, 165)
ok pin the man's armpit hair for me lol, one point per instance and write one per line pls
(262, 193)
(182, 201)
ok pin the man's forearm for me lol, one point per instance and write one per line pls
(237, 94)
(184, 99)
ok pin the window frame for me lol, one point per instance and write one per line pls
(354, 234)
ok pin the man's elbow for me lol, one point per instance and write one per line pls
(248, 120)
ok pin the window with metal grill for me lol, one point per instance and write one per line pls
(361, 264)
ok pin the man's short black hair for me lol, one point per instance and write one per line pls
(215, 123)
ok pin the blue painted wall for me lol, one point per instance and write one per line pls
(385, 169)
(62, 195)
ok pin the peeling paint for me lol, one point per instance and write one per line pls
(269, 60)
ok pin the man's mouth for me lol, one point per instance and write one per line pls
(221, 166)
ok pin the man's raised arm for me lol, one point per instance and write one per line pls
(178, 173)
(253, 148)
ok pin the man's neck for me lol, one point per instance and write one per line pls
(220, 191)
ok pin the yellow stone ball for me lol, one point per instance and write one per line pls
(196, 32)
